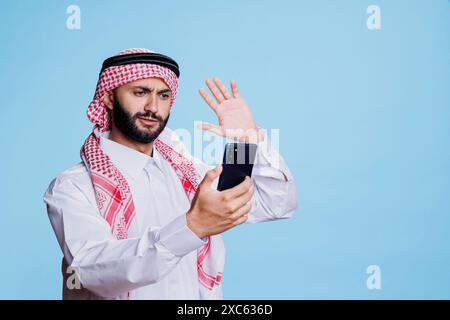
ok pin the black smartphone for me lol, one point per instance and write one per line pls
(238, 159)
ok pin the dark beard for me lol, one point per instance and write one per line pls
(126, 123)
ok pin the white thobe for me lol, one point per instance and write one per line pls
(161, 263)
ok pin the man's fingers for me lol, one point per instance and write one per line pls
(242, 219)
(210, 101)
(212, 128)
(243, 199)
(238, 190)
(216, 92)
(211, 175)
(222, 88)
(241, 215)
(234, 89)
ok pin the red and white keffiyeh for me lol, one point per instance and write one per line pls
(112, 191)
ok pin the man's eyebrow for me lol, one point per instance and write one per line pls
(164, 90)
(144, 88)
(147, 89)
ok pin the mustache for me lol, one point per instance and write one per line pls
(150, 115)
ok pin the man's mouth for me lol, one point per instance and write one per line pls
(148, 121)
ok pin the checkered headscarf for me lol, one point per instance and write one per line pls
(117, 76)
(112, 192)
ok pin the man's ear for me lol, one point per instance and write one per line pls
(108, 100)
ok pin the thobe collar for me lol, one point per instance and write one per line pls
(127, 159)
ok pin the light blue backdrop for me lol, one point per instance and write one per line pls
(364, 119)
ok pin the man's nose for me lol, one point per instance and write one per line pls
(151, 105)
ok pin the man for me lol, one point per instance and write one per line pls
(139, 218)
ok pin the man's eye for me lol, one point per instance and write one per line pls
(164, 96)
(139, 93)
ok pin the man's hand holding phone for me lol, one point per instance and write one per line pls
(213, 212)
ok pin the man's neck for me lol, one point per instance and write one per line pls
(119, 137)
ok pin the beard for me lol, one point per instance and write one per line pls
(126, 123)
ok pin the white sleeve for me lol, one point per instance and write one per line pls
(104, 265)
(275, 194)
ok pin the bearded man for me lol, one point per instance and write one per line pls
(139, 217)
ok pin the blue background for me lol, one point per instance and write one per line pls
(363, 117)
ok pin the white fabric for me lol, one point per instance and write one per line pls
(161, 263)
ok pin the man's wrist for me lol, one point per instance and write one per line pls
(254, 136)
(190, 222)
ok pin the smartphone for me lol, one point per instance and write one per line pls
(238, 159)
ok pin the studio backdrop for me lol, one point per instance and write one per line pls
(355, 93)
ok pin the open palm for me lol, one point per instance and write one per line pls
(235, 120)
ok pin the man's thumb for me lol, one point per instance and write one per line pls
(212, 174)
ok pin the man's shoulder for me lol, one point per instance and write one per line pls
(75, 177)
(71, 189)
(76, 173)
